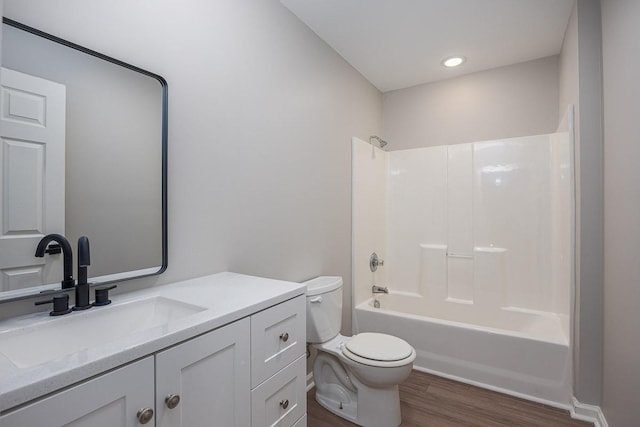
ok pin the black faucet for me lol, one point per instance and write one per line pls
(82, 288)
(67, 280)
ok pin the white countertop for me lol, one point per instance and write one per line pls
(226, 298)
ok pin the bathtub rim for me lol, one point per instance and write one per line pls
(368, 306)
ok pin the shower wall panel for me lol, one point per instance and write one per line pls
(417, 211)
(561, 226)
(485, 226)
(369, 215)
(460, 222)
(484, 223)
(512, 201)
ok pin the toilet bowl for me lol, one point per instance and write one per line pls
(356, 377)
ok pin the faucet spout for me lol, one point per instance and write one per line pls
(82, 288)
(67, 280)
(379, 289)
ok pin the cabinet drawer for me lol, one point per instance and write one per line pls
(278, 336)
(281, 400)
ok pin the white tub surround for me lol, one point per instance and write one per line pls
(497, 211)
(218, 301)
(476, 240)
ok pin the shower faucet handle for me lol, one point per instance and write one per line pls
(375, 262)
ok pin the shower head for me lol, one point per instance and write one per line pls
(381, 142)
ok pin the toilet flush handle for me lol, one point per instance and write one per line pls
(316, 300)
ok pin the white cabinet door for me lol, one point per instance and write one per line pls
(211, 375)
(110, 400)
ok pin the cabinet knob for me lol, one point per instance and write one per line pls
(284, 403)
(145, 415)
(172, 401)
(284, 337)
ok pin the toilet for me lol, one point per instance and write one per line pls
(356, 377)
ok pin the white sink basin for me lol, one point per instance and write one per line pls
(39, 343)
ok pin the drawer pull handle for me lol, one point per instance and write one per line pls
(284, 403)
(284, 337)
(315, 300)
(172, 401)
(145, 415)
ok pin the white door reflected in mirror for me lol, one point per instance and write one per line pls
(32, 178)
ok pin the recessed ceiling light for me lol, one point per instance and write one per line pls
(453, 61)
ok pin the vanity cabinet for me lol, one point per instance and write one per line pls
(110, 400)
(251, 372)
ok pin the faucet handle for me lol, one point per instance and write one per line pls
(375, 261)
(60, 304)
(102, 295)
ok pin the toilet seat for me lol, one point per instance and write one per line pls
(382, 350)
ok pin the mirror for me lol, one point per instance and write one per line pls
(84, 153)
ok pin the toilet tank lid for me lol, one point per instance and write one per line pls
(323, 284)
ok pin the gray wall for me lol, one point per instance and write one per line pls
(568, 69)
(581, 85)
(588, 318)
(515, 100)
(621, 40)
(569, 94)
(261, 115)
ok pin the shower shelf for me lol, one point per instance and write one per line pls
(457, 255)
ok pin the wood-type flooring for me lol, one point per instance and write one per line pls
(431, 401)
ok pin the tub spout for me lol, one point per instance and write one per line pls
(379, 289)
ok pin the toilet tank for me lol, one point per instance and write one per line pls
(324, 308)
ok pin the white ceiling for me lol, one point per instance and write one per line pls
(401, 43)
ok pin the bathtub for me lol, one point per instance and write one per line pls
(519, 352)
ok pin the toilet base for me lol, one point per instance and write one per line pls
(344, 395)
(346, 410)
(372, 415)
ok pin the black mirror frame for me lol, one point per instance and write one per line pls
(164, 142)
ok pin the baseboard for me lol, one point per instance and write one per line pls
(310, 383)
(585, 412)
